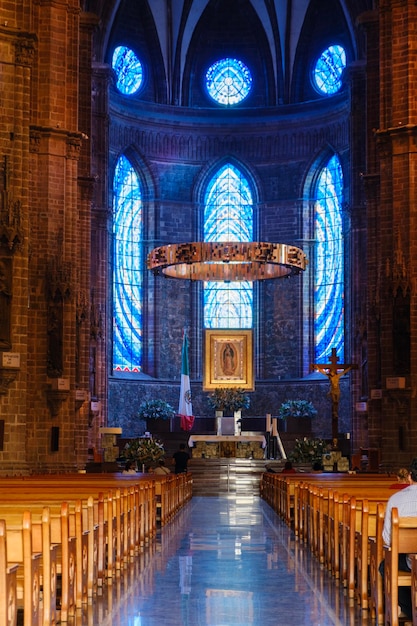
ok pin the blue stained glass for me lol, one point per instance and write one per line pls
(329, 274)
(228, 216)
(228, 81)
(228, 305)
(329, 69)
(127, 269)
(128, 69)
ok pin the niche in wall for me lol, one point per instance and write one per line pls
(54, 438)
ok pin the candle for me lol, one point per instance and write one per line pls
(274, 427)
(268, 423)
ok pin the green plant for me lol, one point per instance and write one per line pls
(144, 450)
(155, 409)
(296, 408)
(308, 450)
(229, 399)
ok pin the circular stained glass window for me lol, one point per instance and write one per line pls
(328, 70)
(128, 69)
(228, 81)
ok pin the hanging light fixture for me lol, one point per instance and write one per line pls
(227, 261)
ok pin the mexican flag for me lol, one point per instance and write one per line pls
(185, 409)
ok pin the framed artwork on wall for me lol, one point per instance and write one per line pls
(228, 359)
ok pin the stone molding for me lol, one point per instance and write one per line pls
(261, 137)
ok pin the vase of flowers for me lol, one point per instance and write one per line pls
(144, 451)
(229, 399)
(308, 450)
(297, 415)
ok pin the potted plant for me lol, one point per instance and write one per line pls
(297, 415)
(155, 410)
(307, 450)
(157, 414)
(144, 451)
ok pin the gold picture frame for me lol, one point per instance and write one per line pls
(228, 359)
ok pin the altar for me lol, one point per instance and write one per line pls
(215, 446)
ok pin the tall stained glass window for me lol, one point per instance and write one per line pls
(228, 216)
(329, 272)
(127, 269)
(328, 70)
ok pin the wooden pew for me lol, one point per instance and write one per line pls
(62, 539)
(289, 498)
(49, 570)
(403, 540)
(82, 534)
(414, 587)
(42, 545)
(100, 482)
(20, 550)
(345, 522)
(361, 524)
(108, 512)
(359, 575)
(8, 582)
(87, 523)
(337, 524)
(63, 551)
(113, 525)
(376, 595)
(340, 525)
(66, 540)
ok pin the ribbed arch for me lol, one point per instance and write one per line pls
(329, 319)
(326, 25)
(228, 216)
(127, 268)
(224, 32)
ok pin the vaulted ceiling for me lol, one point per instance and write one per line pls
(178, 36)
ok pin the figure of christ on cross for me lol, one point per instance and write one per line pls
(334, 372)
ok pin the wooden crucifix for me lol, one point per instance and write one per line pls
(334, 372)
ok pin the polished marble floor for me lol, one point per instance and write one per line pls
(226, 561)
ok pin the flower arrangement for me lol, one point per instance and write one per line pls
(229, 399)
(308, 450)
(155, 409)
(296, 408)
(144, 450)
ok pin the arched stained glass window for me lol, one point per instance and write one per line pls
(228, 81)
(329, 69)
(228, 216)
(128, 69)
(127, 269)
(329, 272)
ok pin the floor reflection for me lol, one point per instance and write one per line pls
(223, 562)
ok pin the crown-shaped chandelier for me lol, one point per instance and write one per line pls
(227, 261)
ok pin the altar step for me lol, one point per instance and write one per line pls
(214, 477)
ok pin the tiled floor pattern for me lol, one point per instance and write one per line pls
(226, 561)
